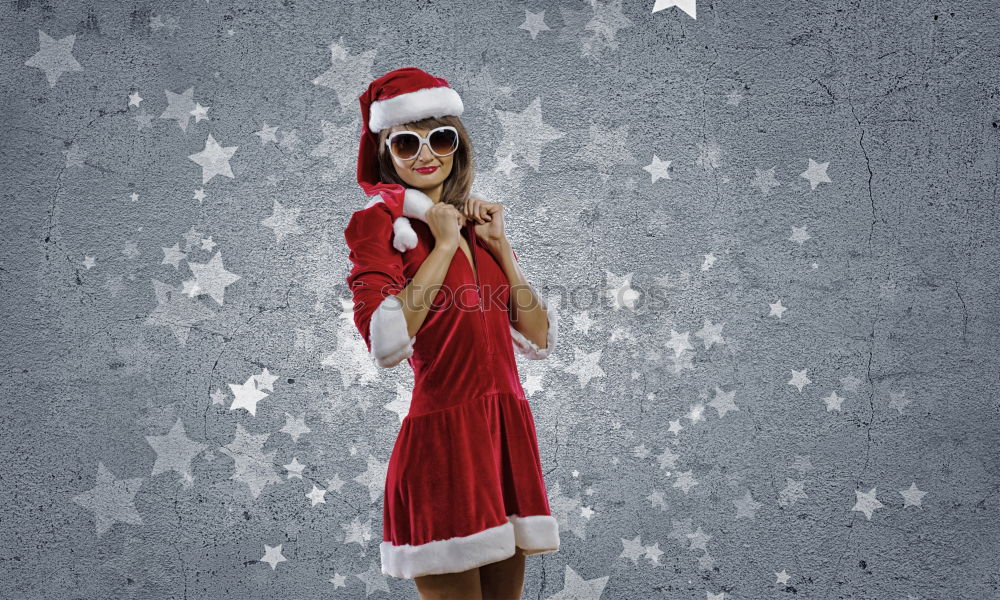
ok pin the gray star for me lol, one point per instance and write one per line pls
(746, 507)
(764, 180)
(710, 333)
(251, 464)
(912, 496)
(374, 580)
(179, 107)
(174, 450)
(172, 255)
(176, 311)
(723, 402)
(524, 133)
(349, 75)
(577, 588)
(283, 221)
(111, 500)
(295, 426)
(608, 19)
(74, 156)
(850, 383)
(585, 366)
(54, 57)
(266, 134)
(632, 549)
(534, 22)
(144, 119)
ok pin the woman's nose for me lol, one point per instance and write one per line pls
(425, 153)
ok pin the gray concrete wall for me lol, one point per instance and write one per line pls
(799, 399)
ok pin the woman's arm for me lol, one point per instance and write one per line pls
(528, 315)
(417, 296)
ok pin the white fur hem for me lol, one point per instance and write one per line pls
(529, 349)
(413, 106)
(535, 534)
(391, 343)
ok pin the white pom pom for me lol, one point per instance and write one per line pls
(404, 238)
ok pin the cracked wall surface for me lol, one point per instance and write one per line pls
(771, 232)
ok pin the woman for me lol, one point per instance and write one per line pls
(435, 282)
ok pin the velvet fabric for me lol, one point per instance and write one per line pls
(464, 483)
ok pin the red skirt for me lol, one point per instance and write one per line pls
(464, 487)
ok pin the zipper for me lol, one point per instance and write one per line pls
(479, 291)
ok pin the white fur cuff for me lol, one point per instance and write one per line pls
(529, 349)
(391, 343)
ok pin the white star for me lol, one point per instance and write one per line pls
(658, 169)
(585, 366)
(134, 99)
(295, 468)
(200, 113)
(212, 278)
(816, 173)
(273, 556)
(866, 502)
(214, 159)
(799, 379)
(799, 234)
(246, 396)
(620, 291)
(688, 6)
(777, 309)
(317, 495)
(833, 401)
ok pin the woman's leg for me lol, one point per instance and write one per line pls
(503, 580)
(450, 586)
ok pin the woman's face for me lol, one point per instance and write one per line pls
(407, 169)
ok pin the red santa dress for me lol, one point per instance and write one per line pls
(464, 484)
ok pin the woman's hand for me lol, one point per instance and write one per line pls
(489, 220)
(445, 222)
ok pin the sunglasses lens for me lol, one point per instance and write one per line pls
(444, 141)
(405, 145)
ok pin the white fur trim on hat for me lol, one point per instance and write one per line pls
(390, 339)
(529, 349)
(413, 106)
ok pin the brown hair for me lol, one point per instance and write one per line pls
(458, 185)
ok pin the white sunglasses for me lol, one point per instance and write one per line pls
(404, 145)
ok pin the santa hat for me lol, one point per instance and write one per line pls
(398, 97)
